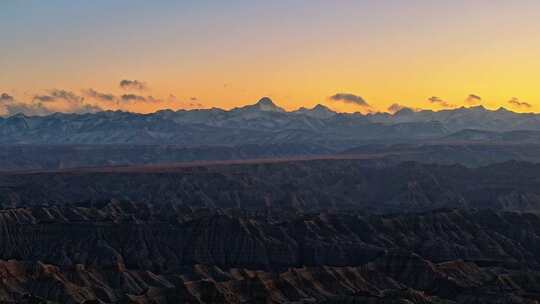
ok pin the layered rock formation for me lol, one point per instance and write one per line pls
(325, 231)
(120, 254)
(370, 186)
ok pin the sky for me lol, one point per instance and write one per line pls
(367, 56)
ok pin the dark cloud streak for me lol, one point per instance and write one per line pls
(98, 95)
(133, 85)
(349, 98)
(5, 97)
(132, 97)
(441, 102)
(522, 104)
(473, 99)
(396, 107)
(44, 98)
(56, 94)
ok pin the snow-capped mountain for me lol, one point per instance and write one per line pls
(261, 123)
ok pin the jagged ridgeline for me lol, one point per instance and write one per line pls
(263, 123)
(471, 136)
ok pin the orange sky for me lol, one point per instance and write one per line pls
(297, 52)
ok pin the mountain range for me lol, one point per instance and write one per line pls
(261, 123)
(472, 136)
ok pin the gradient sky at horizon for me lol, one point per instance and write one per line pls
(230, 53)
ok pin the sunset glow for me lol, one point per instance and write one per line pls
(227, 54)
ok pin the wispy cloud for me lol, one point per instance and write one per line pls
(441, 102)
(55, 95)
(133, 85)
(473, 99)
(349, 98)
(92, 100)
(396, 107)
(44, 98)
(91, 93)
(132, 97)
(5, 97)
(42, 104)
(521, 104)
(23, 108)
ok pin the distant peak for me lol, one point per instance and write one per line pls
(405, 111)
(318, 111)
(19, 115)
(320, 107)
(479, 108)
(265, 104)
(266, 101)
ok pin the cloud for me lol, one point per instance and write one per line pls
(91, 93)
(132, 85)
(43, 98)
(522, 104)
(435, 99)
(23, 108)
(172, 99)
(89, 100)
(44, 104)
(349, 98)
(138, 98)
(174, 102)
(152, 99)
(67, 95)
(126, 98)
(5, 97)
(441, 102)
(396, 107)
(132, 97)
(473, 99)
(10, 106)
(55, 95)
